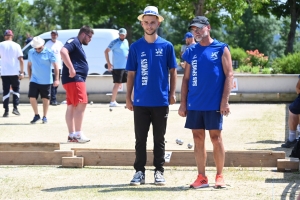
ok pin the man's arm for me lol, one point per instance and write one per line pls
(66, 58)
(129, 84)
(109, 65)
(184, 90)
(227, 68)
(21, 75)
(56, 75)
(29, 71)
(173, 77)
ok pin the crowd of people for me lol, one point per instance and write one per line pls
(148, 67)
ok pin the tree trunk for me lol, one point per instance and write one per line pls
(199, 8)
(291, 37)
(129, 33)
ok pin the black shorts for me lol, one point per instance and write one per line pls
(37, 89)
(295, 106)
(119, 75)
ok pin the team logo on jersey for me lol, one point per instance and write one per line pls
(143, 54)
(159, 52)
(214, 55)
(195, 56)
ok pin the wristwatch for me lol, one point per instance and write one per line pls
(21, 73)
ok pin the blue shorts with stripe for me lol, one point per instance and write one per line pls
(209, 120)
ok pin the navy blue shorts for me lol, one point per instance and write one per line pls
(295, 106)
(209, 120)
(119, 75)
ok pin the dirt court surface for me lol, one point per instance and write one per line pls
(249, 127)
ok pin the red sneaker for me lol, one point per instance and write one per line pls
(219, 181)
(200, 182)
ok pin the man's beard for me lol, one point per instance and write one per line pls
(152, 33)
(198, 39)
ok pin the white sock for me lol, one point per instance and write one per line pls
(78, 133)
(292, 135)
(72, 134)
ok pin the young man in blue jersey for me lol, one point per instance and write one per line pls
(150, 61)
(120, 49)
(39, 68)
(205, 91)
(74, 73)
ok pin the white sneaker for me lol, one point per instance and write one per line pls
(81, 138)
(114, 104)
(298, 127)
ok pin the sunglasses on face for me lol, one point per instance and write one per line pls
(197, 30)
(90, 36)
(38, 49)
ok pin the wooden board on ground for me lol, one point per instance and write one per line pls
(125, 157)
(288, 164)
(29, 146)
(72, 162)
(34, 157)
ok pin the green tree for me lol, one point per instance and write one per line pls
(119, 13)
(282, 9)
(12, 17)
(43, 15)
(256, 32)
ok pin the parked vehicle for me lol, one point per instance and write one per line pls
(94, 50)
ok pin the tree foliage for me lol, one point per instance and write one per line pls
(283, 9)
(12, 17)
(256, 32)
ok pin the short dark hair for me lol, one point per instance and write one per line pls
(86, 29)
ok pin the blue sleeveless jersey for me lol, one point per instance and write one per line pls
(151, 62)
(206, 83)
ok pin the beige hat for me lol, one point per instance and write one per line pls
(151, 10)
(37, 42)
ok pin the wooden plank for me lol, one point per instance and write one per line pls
(253, 158)
(288, 164)
(97, 149)
(29, 146)
(94, 157)
(34, 157)
(74, 162)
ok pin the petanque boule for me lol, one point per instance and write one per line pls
(110, 109)
(190, 145)
(91, 103)
(180, 142)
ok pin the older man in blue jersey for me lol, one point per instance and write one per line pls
(205, 90)
(150, 61)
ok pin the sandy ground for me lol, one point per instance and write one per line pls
(249, 127)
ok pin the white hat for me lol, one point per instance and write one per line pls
(151, 10)
(37, 42)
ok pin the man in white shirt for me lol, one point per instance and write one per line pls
(55, 45)
(12, 71)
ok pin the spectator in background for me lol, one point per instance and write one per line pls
(12, 71)
(55, 45)
(120, 50)
(28, 39)
(40, 60)
(294, 112)
(189, 41)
